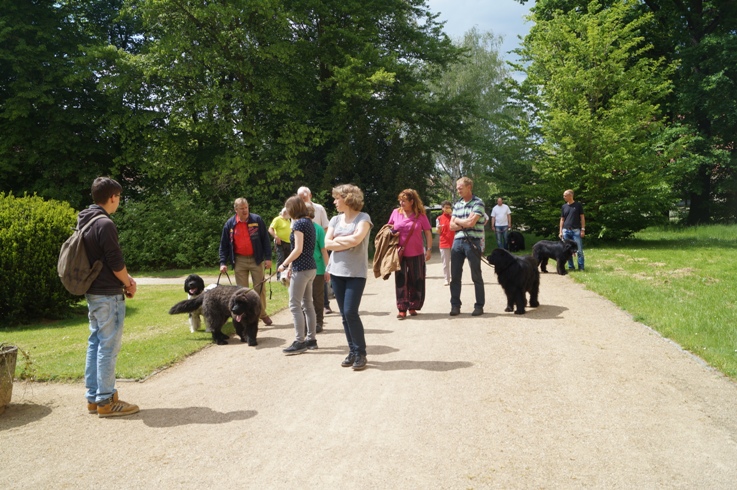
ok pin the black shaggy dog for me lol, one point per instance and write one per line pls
(517, 276)
(241, 304)
(561, 251)
(194, 286)
(515, 241)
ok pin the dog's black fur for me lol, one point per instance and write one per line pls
(241, 304)
(515, 241)
(517, 276)
(561, 251)
(194, 286)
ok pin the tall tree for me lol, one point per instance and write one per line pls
(53, 115)
(226, 78)
(596, 100)
(701, 36)
(380, 120)
(483, 141)
(263, 96)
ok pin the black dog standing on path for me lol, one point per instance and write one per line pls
(241, 304)
(517, 276)
(561, 251)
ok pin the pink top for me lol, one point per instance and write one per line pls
(413, 245)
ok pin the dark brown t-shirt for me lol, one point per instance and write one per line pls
(101, 243)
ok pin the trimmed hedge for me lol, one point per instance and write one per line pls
(32, 231)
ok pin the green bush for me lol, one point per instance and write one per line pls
(178, 231)
(31, 234)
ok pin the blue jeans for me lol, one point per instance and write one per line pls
(348, 292)
(575, 235)
(301, 304)
(461, 251)
(501, 236)
(106, 314)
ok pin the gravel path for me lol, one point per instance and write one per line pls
(572, 394)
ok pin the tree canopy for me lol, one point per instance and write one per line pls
(698, 38)
(629, 102)
(482, 139)
(221, 99)
(597, 113)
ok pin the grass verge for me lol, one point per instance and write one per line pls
(152, 339)
(680, 282)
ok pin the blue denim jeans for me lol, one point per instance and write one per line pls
(501, 236)
(301, 304)
(461, 251)
(348, 292)
(575, 235)
(106, 314)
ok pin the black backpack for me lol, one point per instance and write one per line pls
(73, 266)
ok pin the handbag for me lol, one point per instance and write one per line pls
(400, 248)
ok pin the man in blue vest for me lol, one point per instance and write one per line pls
(245, 243)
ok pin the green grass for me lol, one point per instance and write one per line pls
(681, 282)
(152, 338)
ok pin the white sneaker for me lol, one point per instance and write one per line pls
(446, 283)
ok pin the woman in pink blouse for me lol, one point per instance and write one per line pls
(410, 222)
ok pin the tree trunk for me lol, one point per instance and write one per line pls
(700, 209)
(8, 357)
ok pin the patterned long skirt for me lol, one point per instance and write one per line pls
(410, 283)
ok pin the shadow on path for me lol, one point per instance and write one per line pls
(161, 418)
(439, 366)
(20, 414)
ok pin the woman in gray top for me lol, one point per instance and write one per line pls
(347, 237)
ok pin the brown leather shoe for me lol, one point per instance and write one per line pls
(267, 321)
(117, 408)
(92, 407)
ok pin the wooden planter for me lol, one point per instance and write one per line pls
(8, 356)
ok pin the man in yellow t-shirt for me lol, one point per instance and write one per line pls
(279, 229)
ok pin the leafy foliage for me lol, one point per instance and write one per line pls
(483, 140)
(54, 119)
(700, 37)
(703, 38)
(175, 231)
(595, 98)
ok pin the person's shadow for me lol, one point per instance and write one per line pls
(20, 414)
(406, 365)
(174, 417)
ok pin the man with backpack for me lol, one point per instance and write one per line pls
(105, 300)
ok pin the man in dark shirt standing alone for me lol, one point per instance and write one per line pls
(572, 226)
(105, 301)
(246, 244)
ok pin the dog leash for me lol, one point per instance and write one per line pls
(474, 246)
(226, 275)
(269, 280)
(254, 286)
